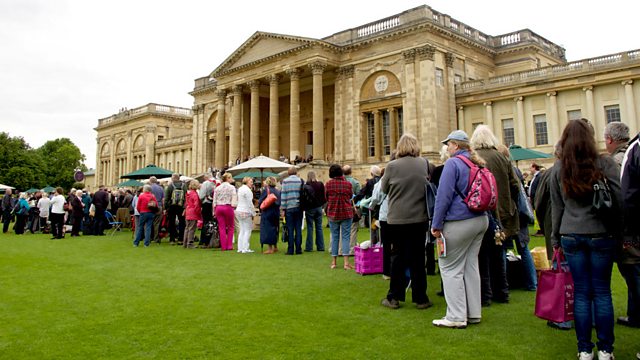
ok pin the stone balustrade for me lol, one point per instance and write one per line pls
(181, 140)
(550, 72)
(127, 114)
(204, 82)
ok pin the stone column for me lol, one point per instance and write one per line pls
(409, 104)
(489, 116)
(377, 128)
(393, 125)
(461, 123)
(149, 143)
(591, 111)
(274, 117)
(520, 133)
(220, 134)
(553, 120)
(364, 139)
(294, 110)
(317, 68)
(632, 120)
(429, 124)
(112, 160)
(254, 137)
(451, 89)
(130, 152)
(234, 134)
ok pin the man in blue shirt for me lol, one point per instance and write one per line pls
(290, 206)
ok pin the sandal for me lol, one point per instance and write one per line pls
(333, 266)
(348, 267)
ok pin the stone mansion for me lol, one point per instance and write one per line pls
(348, 97)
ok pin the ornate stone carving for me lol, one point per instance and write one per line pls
(449, 58)
(294, 73)
(150, 128)
(461, 108)
(487, 103)
(274, 79)
(254, 85)
(552, 93)
(317, 67)
(237, 90)
(345, 71)
(518, 98)
(427, 52)
(587, 88)
(381, 84)
(409, 56)
(222, 94)
(627, 82)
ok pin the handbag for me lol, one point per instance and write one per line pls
(268, 201)
(524, 206)
(554, 297)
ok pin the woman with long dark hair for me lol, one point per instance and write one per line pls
(585, 235)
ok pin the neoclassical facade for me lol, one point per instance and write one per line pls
(150, 134)
(348, 97)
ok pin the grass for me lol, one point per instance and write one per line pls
(98, 297)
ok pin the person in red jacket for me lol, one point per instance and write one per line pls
(192, 213)
(146, 211)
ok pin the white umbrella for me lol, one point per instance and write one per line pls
(166, 180)
(5, 187)
(261, 164)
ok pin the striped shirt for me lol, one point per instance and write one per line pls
(290, 195)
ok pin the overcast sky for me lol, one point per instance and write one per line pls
(66, 63)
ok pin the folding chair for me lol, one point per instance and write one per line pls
(115, 225)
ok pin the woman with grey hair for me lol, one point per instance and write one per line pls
(493, 269)
(404, 183)
(145, 222)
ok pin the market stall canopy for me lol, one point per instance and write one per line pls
(146, 172)
(519, 153)
(254, 174)
(130, 183)
(260, 164)
(49, 189)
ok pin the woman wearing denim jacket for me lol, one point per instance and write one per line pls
(585, 238)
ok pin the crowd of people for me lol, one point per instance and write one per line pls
(393, 204)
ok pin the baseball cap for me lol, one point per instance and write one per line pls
(457, 135)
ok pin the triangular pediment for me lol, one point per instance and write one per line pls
(262, 46)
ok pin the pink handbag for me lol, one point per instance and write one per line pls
(554, 298)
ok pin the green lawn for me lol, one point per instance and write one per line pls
(98, 297)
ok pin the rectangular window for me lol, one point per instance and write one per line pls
(574, 115)
(386, 134)
(371, 135)
(508, 133)
(439, 77)
(612, 113)
(400, 123)
(457, 79)
(475, 125)
(540, 122)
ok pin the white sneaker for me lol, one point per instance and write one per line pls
(248, 251)
(583, 355)
(449, 324)
(603, 355)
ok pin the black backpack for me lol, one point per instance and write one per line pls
(307, 197)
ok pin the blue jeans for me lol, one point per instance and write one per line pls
(145, 224)
(590, 259)
(294, 225)
(314, 217)
(631, 274)
(340, 227)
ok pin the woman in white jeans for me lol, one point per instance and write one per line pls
(244, 214)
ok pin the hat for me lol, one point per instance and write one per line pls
(375, 170)
(457, 135)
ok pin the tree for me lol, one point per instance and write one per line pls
(20, 166)
(61, 158)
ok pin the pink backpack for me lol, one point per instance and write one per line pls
(483, 191)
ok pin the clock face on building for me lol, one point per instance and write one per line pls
(381, 83)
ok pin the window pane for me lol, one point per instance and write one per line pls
(371, 135)
(400, 123)
(386, 136)
(439, 77)
(612, 112)
(574, 114)
(540, 122)
(508, 133)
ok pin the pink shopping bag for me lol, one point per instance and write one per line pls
(554, 298)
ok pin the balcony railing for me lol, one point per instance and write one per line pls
(180, 140)
(585, 65)
(126, 114)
